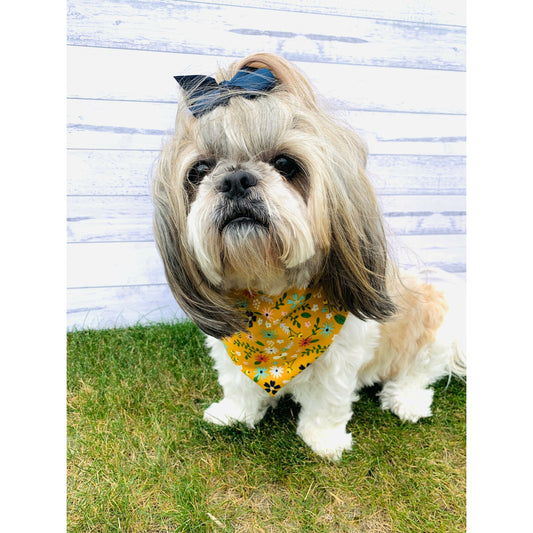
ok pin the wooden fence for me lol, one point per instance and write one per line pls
(394, 70)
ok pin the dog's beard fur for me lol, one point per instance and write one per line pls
(321, 226)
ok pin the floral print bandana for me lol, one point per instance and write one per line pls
(285, 334)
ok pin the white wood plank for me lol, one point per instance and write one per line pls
(111, 307)
(129, 218)
(429, 11)
(229, 30)
(410, 133)
(110, 172)
(116, 74)
(416, 174)
(392, 205)
(113, 264)
(133, 263)
(424, 215)
(120, 306)
(109, 219)
(427, 224)
(122, 172)
(105, 124)
(444, 251)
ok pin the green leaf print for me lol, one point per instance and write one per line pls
(340, 319)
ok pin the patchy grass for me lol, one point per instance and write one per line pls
(141, 459)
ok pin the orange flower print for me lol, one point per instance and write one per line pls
(261, 358)
(305, 342)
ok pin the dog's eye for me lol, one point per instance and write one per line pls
(198, 171)
(285, 165)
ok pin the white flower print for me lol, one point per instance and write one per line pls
(276, 371)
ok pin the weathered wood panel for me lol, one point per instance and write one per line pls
(393, 70)
(135, 75)
(129, 172)
(129, 218)
(110, 172)
(110, 307)
(111, 264)
(101, 124)
(430, 11)
(235, 31)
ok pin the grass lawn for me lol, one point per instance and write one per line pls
(141, 459)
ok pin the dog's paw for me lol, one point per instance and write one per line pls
(328, 443)
(229, 412)
(409, 404)
(224, 413)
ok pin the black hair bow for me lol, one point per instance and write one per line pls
(204, 93)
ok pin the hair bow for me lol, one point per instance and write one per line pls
(204, 93)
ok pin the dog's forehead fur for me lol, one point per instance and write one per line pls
(245, 129)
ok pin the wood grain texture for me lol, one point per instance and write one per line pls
(180, 27)
(129, 218)
(451, 12)
(394, 71)
(120, 306)
(136, 75)
(112, 264)
(104, 124)
(129, 172)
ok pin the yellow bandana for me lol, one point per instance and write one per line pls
(285, 334)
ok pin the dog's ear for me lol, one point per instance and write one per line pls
(355, 270)
(357, 263)
(203, 303)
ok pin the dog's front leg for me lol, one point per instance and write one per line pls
(326, 409)
(322, 425)
(243, 400)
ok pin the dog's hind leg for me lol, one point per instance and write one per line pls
(409, 395)
(420, 345)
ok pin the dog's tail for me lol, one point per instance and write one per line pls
(457, 365)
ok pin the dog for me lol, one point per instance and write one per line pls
(273, 243)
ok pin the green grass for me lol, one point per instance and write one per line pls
(141, 459)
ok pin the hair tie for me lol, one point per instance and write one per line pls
(204, 93)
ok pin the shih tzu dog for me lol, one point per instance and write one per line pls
(274, 245)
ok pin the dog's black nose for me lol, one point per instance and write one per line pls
(237, 184)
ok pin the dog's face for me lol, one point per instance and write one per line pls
(251, 221)
(266, 194)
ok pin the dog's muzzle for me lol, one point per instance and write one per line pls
(240, 202)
